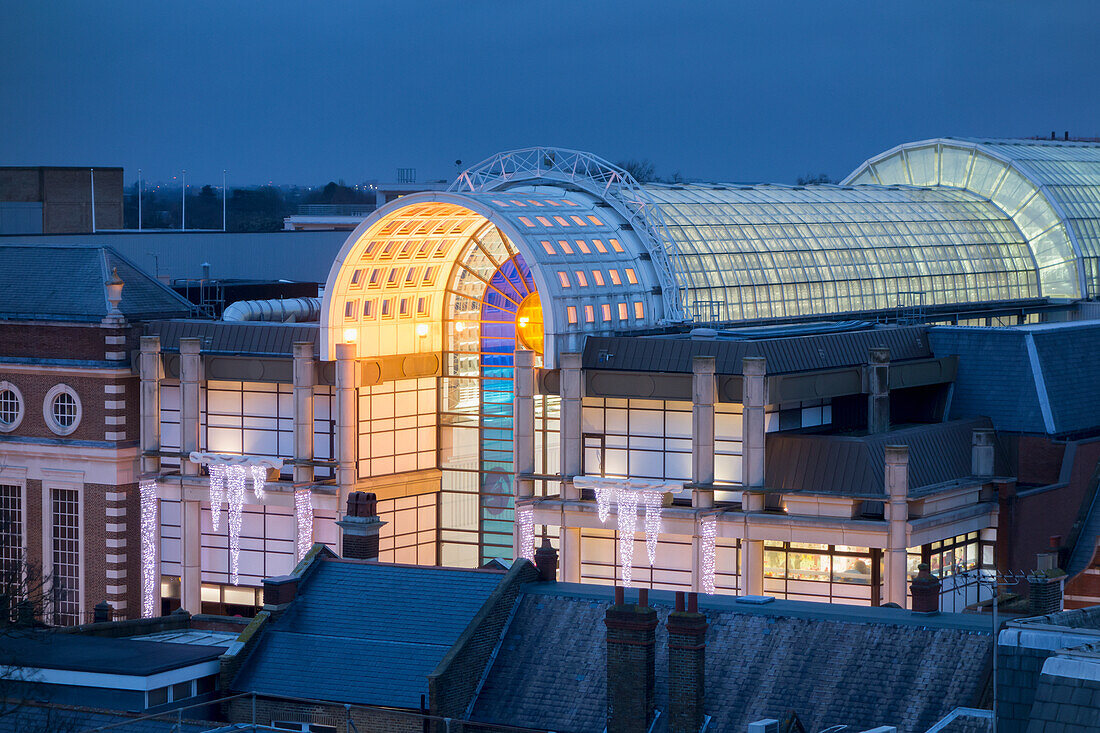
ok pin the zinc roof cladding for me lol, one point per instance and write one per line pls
(782, 355)
(67, 283)
(767, 251)
(997, 375)
(398, 621)
(229, 337)
(862, 670)
(74, 652)
(855, 465)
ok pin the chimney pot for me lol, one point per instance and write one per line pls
(680, 600)
(620, 596)
(925, 589)
(1055, 541)
(101, 612)
(643, 597)
(1066, 137)
(546, 560)
(693, 602)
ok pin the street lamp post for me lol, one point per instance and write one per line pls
(183, 195)
(224, 190)
(139, 199)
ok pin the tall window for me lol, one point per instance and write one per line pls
(11, 540)
(65, 515)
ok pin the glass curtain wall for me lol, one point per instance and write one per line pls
(492, 306)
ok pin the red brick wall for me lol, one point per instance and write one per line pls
(42, 341)
(1039, 460)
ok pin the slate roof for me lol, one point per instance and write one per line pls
(34, 718)
(366, 633)
(66, 283)
(783, 355)
(855, 465)
(1029, 379)
(257, 338)
(862, 667)
(47, 650)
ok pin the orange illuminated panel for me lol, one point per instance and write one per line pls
(582, 281)
(589, 314)
(631, 277)
(595, 221)
(529, 325)
(571, 313)
(599, 246)
(615, 279)
(578, 221)
(623, 312)
(583, 246)
(548, 247)
(544, 221)
(605, 310)
(616, 246)
(639, 310)
(561, 221)
(526, 222)
(597, 277)
(563, 279)
(565, 247)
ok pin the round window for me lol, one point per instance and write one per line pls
(11, 407)
(62, 410)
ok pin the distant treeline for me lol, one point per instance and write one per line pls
(255, 209)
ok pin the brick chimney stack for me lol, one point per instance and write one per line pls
(360, 526)
(631, 662)
(925, 589)
(687, 651)
(546, 560)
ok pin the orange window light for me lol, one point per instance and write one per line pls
(639, 310)
(597, 277)
(582, 246)
(589, 314)
(616, 246)
(548, 247)
(563, 279)
(599, 246)
(571, 312)
(526, 222)
(582, 281)
(565, 247)
(544, 221)
(615, 279)
(623, 312)
(561, 221)
(605, 310)
(631, 277)
(595, 220)
(578, 221)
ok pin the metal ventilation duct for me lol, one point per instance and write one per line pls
(282, 310)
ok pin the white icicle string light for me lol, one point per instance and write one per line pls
(259, 478)
(303, 515)
(235, 481)
(525, 515)
(149, 501)
(653, 500)
(217, 492)
(628, 523)
(708, 534)
(604, 496)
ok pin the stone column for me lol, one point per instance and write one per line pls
(897, 516)
(981, 452)
(878, 390)
(704, 393)
(753, 398)
(631, 666)
(687, 651)
(149, 367)
(190, 511)
(303, 410)
(347, 395)
(572, 442)
(569, 540)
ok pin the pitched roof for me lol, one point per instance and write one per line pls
(395, 621)
(782, 354)
(256, 338)
(46, 650)
(862, 667)
(32, 717)
(1028, 379)
(855, 465)
(67, 283)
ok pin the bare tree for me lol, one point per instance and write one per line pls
(814, 180)
(642, 170)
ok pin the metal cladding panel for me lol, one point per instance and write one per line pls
(246, 339)
(855, 465)
(1069, 358)
(783, 355)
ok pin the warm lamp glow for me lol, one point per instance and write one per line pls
(349, 335)
(460, 326)
(422, 329)
(529, 323)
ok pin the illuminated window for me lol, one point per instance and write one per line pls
(526, 222)
(605, 311)
(387, 308)
(548, 247)
(552, 202)
(535, 203)
(565, 247)
(567, 202)
(561, 221)
(529, 325)
(599, 246)
(639, 310)
(571, 311)
(544, 221)
(349, 309)
(394, 275)
(410, 276)
(597, 277)
(357, 277)
(403, 307)
(615, 279)
(583, 247)
(422, 305)
(623, 312)
(582, 281)
(589, 314)
(579, 221)
(563, 279)
(616, 246)
(375, 278)
(631, 277)
(517, 203)
(595, 221)
(500, 203)
(429, 275)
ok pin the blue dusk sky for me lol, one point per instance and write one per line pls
(738, 91)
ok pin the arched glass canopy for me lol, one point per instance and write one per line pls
(1050, 190)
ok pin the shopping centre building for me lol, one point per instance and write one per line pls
(746, 389)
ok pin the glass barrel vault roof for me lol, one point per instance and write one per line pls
(760, 252)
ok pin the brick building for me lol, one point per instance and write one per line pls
(57, 200)
(69, 318)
